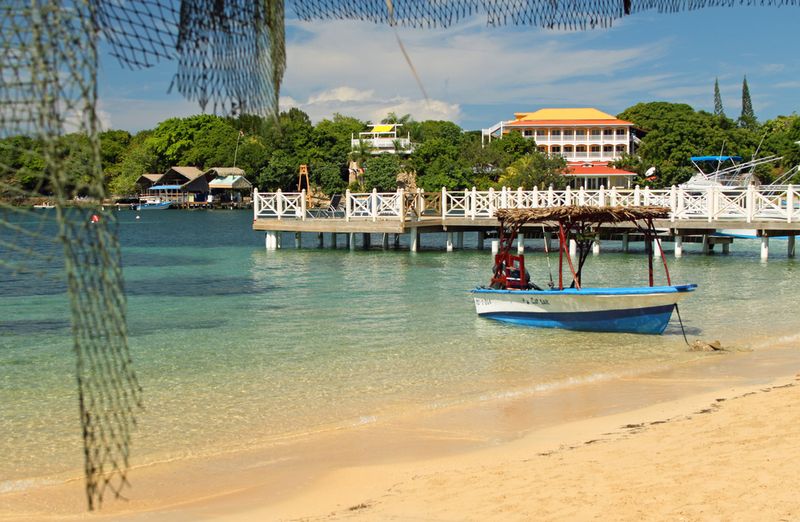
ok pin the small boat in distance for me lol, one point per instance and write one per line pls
(153, 203)
(512, 298)
(45, 205)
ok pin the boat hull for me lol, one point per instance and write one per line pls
(155, 206)
(644, 310)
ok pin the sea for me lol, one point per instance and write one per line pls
(236, 346)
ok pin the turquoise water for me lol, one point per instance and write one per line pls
(236, 346)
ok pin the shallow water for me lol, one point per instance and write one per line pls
(236, 346)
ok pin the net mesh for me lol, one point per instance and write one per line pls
(552, 14)
(230, 56)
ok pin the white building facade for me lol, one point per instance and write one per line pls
(587, 138)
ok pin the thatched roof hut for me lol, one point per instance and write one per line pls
(521, 216)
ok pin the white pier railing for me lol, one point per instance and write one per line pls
(751, 204)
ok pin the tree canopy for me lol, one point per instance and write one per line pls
(444, 155)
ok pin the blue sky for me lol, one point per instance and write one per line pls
(476, 75)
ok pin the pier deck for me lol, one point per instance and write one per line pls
(761, 211)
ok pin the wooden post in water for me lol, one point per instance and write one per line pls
(790, 245)
(596, 245)
(656, 250)
(573, 247)
(385, 241)
(397, 240)
(625, 242)
(270, 241)
(706, 245)
(449, 242)
(351, 241)
(460, 240)
(495, 246)
(366, 240)
(481, 239)
(678, 246)
(320, 240)
(726, 247)
(413, 239)
(298, 240)
(764, 247)
(333, 240)
(520, 243)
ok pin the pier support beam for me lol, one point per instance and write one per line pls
(495, 246)
(656, 250)
(351, 241)
(333, 240)
(397, 240)
(481, 239)
(385, 241)
(790, 246)
(460, 240)
(366, 240)
(764, 247)
(520, 243)
(573, 248)
(320, 240)
(449, 242)
(678, 246)
(547, 244)
(413, 239)
(726, 247)
(271, 241)
(625, 242)
(706, 245)
(596, 246)
(298, 240)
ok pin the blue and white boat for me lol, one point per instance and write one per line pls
(513, 299)
(645, 310)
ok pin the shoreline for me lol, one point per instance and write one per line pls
(313, 477)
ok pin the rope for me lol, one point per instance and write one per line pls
(683, 330)
(547, 254)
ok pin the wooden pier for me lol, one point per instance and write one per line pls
(696, 216)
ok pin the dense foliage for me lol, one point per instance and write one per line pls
(270, 152)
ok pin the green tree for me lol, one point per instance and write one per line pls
(279, 173)
(380, 172)
(535, 170)
(748, 117)
(329, 177)
(137, 160)
(113, 145)
(718, 110)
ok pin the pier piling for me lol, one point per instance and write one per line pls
(790, 246)
(298, 240)
(413, 239)
(678, 246)
(481, 239)
(449, 242)
(596, 246)
(764, 247)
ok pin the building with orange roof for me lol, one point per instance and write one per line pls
(587, 138)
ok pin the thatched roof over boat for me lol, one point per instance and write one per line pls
(520, 216)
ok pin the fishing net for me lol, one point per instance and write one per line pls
(230, 57)
(552, 14)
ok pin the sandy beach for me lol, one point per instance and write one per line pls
(714, 440)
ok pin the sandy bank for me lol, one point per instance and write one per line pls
(702, 443)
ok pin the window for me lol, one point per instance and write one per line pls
(595, 132)
(608, 148)
(567, 148)
(555, 132)
(620, 132)
(555, 148)
(621, 148)
(527, 132)
(580, 132)
(541, 132)
(567, 132)
(542, 148)
(595, 148)
(608, 132)
(580, 148)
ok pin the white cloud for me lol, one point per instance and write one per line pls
(366, 105)
(457, 67)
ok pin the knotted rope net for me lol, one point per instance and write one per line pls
(230, 58)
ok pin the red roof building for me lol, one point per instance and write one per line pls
(587, 138)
